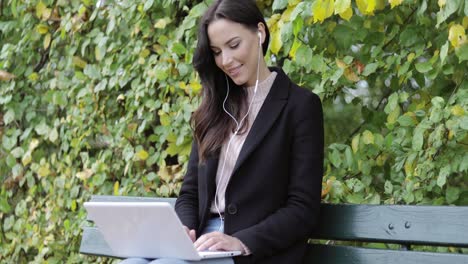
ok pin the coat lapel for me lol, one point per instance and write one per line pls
(269, 112)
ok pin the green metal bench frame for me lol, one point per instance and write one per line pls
(397, 224)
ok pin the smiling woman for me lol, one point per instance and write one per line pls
(253, 182)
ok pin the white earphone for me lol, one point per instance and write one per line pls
(238, 123)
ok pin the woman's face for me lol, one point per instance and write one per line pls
(235, 50)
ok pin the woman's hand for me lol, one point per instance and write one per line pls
(191, 233)
(218, 241)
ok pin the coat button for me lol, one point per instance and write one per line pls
(232, 209)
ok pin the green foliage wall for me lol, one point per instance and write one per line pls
(96, 97)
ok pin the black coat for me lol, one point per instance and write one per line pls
(273, 196)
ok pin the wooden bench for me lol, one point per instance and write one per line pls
(403, 225)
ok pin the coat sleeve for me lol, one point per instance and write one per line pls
(294, 221)
(187, 203)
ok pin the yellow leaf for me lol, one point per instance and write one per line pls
(341, 6)
(295, 46)
(43, 171)
(351, 75)
(33, 144)
(381, 160)
(272, 21)
(116, 188)
(346, 15)
(450, 134)
(6, 76)
(142, 155)
(145, 53)
(411, 56)
(33, 76)
(286, 16)
(409, 167)
(47, 39)
(465, 22)
(441, 3)
(323, 9)
(42, 29)
(84, 175)
(77, 61)
(294, 2)
(195, 86)
(366, 7)
(457, 110)
(276, 42)
(164, 174)
(40, 7)
(394, 3)
(161, 23)
(355, 143)
(457, 35)
(380, 5)
(341, 64)
(367, 137)
(26, 159)
(393, 116)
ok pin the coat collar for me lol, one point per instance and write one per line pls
(269, 112)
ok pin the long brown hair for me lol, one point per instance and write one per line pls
(210, 123)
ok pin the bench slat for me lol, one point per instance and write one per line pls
(329, 254)
(425, 225)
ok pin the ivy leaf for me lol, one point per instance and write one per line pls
(444, 52)
(445, 12)
(462, 53)
(53, 136)
(370, 68)
(452, 194)
(355, 143)
(303, 55)
(4, 206)
(367, 137)
(418, 138)
(42, 129)
(388, 186)
(279, 4)
(9, 117)
(47, 40)
(148, 4)
(443, 174)
(423, 67)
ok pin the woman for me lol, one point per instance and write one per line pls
(254, 176)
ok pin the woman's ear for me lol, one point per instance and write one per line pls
(262, 31)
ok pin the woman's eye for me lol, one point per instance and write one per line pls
(216, 53)
(235, 46)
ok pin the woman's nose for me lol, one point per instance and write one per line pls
(227, 59)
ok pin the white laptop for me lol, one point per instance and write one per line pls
(147, 230)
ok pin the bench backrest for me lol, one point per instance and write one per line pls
(398, 224)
